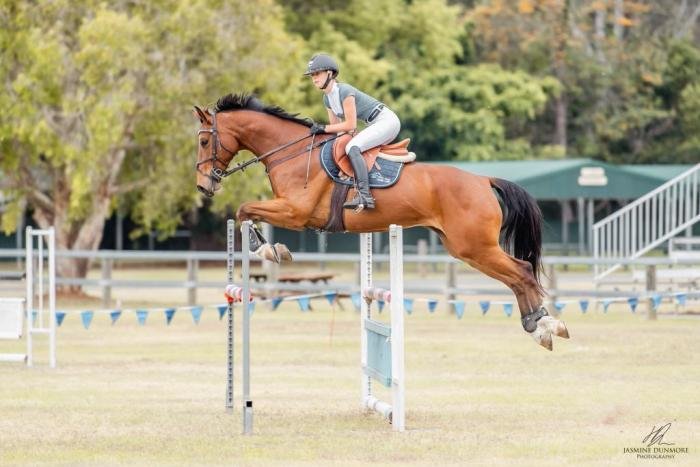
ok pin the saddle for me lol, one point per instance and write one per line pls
(396, 152)
(384, 165)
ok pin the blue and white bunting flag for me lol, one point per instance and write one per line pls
(606, 304)
(304, 303)
(141, 316)
(169, 313)
(508, 309)
(60, 316)
(633, 301)
(276, 302)
(484, 305)
(114, 315)
(432, 304)
(86, 318)
(583, 303)
(459, 308)
(196, 313)
(681, 299)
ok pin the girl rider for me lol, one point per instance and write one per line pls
(345, 105)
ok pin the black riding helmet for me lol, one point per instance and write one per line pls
(322, 62)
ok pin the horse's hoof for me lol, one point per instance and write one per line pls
(267, 252)
(560, 330)
(542, 338)
(283, 252)
(546, 326)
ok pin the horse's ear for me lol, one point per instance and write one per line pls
(200, 114)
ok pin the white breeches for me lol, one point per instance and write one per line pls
(383, 129)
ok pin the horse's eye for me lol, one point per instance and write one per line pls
(203, 142)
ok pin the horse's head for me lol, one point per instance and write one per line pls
(214, 152)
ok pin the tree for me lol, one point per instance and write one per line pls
(610, 57)
(96, 104)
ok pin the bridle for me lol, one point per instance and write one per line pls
(216, 174)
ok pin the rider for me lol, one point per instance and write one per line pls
(345, 105)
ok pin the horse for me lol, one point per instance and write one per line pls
(463, 208)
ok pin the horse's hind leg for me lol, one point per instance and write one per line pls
(519, 277)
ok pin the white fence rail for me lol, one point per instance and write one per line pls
(448, 286)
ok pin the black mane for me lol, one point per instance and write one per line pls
(245, 101)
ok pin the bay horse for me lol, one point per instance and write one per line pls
(461, 207)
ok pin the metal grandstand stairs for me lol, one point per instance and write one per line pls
(647, 222)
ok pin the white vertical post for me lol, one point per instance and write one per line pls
(247, 402)
(398, 418)
(230, 232)
(40, 282)
(51, 241)
(365, 283)
(29, 268)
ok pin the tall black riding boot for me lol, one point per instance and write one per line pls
(363, 198)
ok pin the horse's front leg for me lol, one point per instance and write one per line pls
(278, 212)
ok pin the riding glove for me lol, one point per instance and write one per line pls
(317, 128)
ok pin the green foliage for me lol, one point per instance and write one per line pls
(97, 101)
(463, 112)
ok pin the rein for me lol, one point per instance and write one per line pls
(256, 159)
(308, 148)
(217, 174)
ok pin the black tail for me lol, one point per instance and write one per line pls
(521, 231)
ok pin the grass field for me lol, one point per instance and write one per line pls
(479, 391)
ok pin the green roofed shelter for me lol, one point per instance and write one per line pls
(567, 179)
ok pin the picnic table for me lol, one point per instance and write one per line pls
(295, 278)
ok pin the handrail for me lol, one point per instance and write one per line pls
(647, 222)
(623, 210)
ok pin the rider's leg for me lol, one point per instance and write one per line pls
(363, 198)
(382, 130)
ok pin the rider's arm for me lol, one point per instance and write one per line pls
(332, 117)
(350, 122)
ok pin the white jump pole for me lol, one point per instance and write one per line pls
(242, 295)
(247, 402)
(397, 327)
(394, 412)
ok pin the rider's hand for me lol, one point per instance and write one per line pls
(317, 128)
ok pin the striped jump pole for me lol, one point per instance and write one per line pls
(382, 345)
(239, 294)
